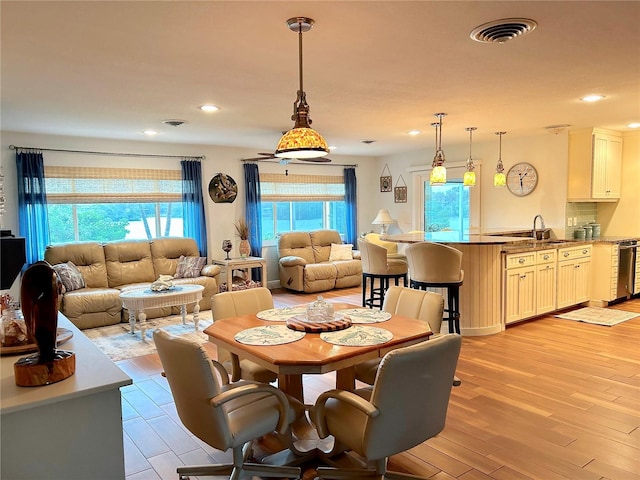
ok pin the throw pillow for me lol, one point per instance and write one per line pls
(189, 267)
(340, 251)
(70, 276)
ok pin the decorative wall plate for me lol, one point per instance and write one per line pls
(223, 188)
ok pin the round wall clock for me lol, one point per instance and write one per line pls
(522, 178)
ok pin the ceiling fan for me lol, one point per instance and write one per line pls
(284, 161)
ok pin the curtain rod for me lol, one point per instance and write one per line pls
(304, 164)
(115, 154)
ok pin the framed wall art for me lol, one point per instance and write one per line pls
(400, 191)
(223, 188)
(386, 181)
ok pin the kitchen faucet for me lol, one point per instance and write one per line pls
(535, 231)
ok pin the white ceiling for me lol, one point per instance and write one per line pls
(373, 70)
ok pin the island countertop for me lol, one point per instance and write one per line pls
(451, 238)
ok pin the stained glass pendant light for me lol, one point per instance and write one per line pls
(438, 172)
(500, 179)
(302, 141)
(469, 178)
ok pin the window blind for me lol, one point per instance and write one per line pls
(69, 185)
(276, 187)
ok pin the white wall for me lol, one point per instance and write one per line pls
(220, 216)
(500, 209)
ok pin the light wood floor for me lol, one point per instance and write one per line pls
(546, 399)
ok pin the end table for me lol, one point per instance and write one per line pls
(242, 263)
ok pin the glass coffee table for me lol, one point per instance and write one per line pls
(138, 300)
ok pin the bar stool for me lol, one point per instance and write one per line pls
(433, 265)
(376, 265)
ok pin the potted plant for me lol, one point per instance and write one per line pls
(242, 230)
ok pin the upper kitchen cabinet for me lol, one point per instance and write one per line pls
(595, 165)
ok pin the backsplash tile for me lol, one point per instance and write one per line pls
(584, 212)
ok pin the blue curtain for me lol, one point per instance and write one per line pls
(32, 204)
(194, 221)
(253, 213)
(351, 200)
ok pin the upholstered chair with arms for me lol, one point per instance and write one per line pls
(223, 415)
(391, 247)
(378, 266)
(433, 265)
(408, 302)
(406, 406)
(235, 304)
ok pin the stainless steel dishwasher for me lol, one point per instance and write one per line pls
(627, 268)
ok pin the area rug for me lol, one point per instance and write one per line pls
(118, 344)
(599, 316)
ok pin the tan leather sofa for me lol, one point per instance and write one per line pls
(304, 265)
(110, 268)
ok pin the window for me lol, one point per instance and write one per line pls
(106, 204)
(301, 202)
(446, 207)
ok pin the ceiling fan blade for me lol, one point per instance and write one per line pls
(316, 160)
(256, 159)
(270, 155)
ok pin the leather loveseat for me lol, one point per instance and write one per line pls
(108, 269)
(305, 262)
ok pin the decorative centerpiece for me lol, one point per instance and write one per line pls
(39, 299)
(319, 318)
(164, 282)
(242, 230)
(320, 311)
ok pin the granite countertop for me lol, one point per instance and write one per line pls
(451, 237)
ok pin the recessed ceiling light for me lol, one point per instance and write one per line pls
(414, 132)
(150, 133)
(634, 125)
(332, 147)
(209, 108)
(592, 98)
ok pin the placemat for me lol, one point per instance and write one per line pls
(281, 314)
(268, 335)
(358, 336)
(365, 315)
(302, 325)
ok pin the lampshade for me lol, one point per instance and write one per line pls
(500, 179)
(469, 178)
(383, 218)
(301, 141)
(439, 172)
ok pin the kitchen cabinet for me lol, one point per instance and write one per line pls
(546, 281)
(595, 165)
(574, 275)
(529, 284)
(604, 261)
(637, 277)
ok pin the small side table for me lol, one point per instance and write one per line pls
(246, 263)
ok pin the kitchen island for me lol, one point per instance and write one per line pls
(481, 303)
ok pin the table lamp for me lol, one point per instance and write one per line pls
(383, 218)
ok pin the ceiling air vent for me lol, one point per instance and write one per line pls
(501, 31)
(174, 123)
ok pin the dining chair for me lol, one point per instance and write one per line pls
(406, 406)
(378, 266)
(234, 304)
(408, 302)
(224, 415)
(434, 265)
